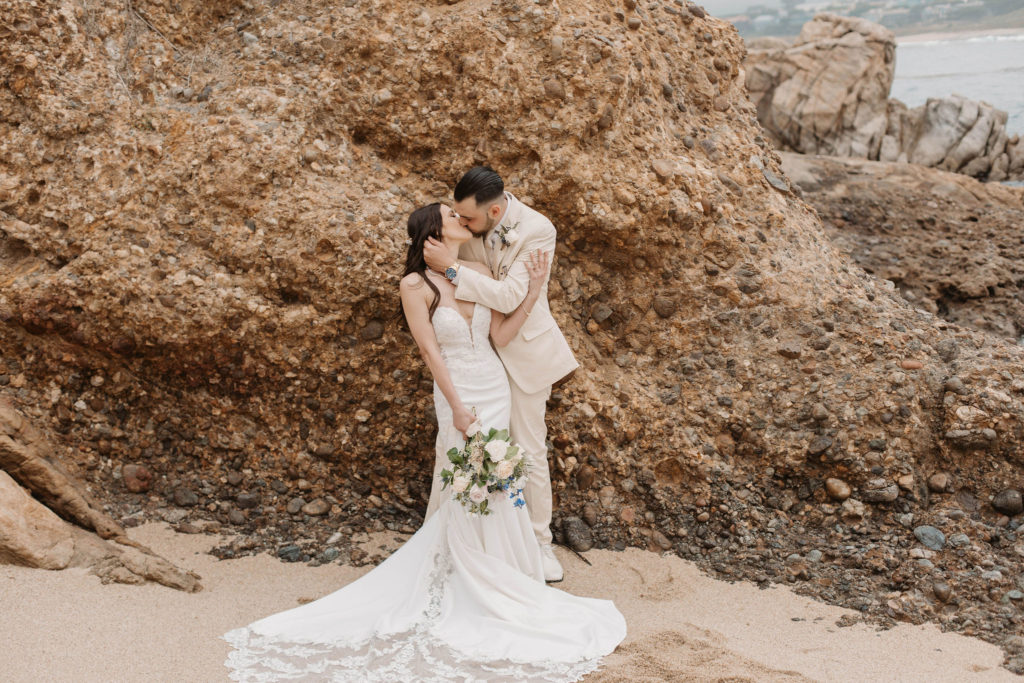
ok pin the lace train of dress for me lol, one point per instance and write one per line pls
(462, 600)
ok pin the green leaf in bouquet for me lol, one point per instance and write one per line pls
(503, 435)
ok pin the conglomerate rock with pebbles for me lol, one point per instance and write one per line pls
(202, 235)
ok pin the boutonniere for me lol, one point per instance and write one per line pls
(508, 234)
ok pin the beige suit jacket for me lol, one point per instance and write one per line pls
(539, 355)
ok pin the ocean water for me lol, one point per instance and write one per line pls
(989, 68)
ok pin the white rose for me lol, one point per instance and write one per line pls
(474, 429)
(512, 235)
(496, 449)
(460, 483)
(478, 494)
(506, 468)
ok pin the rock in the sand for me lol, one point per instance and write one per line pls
(577, 534)
(290, 553)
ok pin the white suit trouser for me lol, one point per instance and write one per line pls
(528, 429)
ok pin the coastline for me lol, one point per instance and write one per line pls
(683, 624)
(957, 34)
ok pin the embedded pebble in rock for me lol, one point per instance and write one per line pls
(955, 385)
(819, 445)
(852, 510)
(942, 591)
(137, 478)
(879, 491)
(959, 540)
(938, 482)
(664, 306)
(790, 349)
(1008, 502)
(316, 507)
(930, 537)
(837, 489)
(247, 500)
(185, 497)
(661, 540)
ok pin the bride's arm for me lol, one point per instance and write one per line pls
(505, 327)
(417, 314)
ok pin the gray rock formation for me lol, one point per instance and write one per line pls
(827, 93)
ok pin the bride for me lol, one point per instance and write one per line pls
(464, 598)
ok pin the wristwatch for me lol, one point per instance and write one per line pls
(451, 271)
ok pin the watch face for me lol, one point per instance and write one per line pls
(449, 272)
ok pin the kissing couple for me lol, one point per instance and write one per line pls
(466, 597)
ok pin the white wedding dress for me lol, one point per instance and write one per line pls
(463, 599)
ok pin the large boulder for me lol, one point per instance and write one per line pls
(827, 92)
(958, 134)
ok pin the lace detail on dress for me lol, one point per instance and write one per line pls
(465, 351)
(415, 655)
(468, 357)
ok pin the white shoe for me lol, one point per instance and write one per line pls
(552, 568)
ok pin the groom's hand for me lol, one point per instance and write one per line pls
(435, 255)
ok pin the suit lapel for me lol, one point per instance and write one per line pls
(501, 256)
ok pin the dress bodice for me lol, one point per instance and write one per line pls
(465, 348)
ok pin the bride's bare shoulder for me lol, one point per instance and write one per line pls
(410, 282)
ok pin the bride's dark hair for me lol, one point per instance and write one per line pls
(424, 222)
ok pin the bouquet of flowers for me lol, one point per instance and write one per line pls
(488, 465)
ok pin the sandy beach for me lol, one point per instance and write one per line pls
(683, 625)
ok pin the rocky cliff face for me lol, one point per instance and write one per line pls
(202, 234)
(950, 243)
(828, 93)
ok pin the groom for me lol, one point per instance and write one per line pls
(507, 232)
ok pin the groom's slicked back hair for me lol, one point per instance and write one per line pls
(482, 183)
